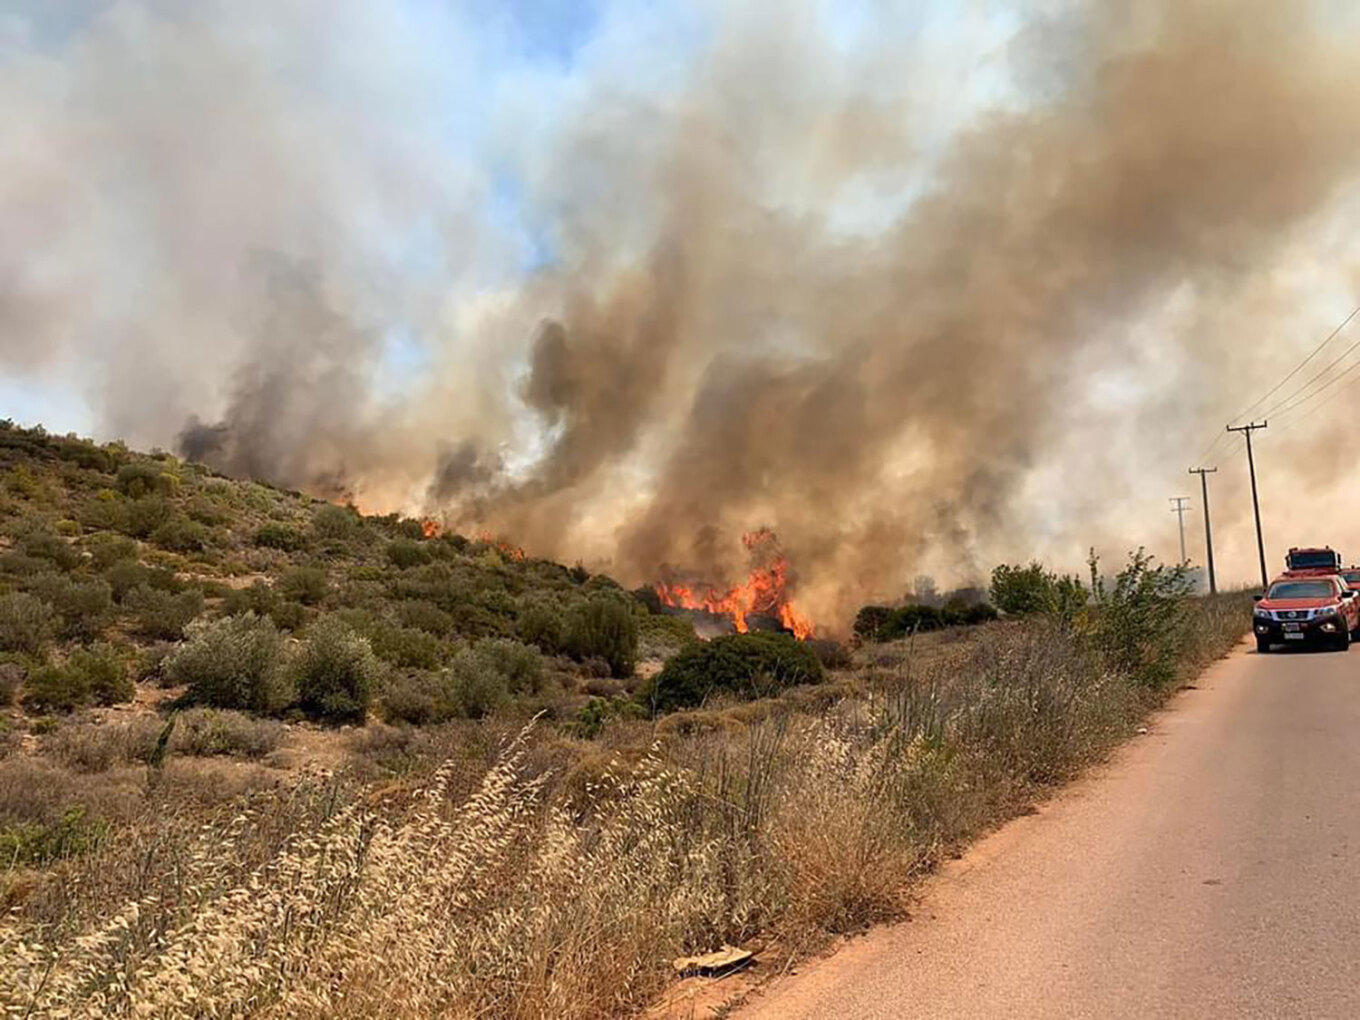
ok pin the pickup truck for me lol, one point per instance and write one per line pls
(1316, 610)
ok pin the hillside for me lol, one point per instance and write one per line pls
(287, 757)
(108, 557)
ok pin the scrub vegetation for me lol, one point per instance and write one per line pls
(264, 756)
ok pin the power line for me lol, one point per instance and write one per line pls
(1294, 423)
(1321, 389)
(1289, 402)
(1299, 367)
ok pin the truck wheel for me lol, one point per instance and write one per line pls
(1262, 645)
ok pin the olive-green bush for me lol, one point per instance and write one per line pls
(235, 662)
(744, 665)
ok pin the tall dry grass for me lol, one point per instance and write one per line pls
(513, 893)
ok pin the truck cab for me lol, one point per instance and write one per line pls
(1312, 562)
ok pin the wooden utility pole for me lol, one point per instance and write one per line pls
(1180, 504)
(1247, 430)
(1208, 532)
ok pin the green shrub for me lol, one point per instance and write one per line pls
(236, 662)
(11, 679)
(179, 534)
(1140, 625)
(745, 665)
(405, 646)
(106, 550)
(337, 523)
(405, 553)
(280, 536)
(108, 511)
(604, 627)
(208, 731)
(83, 607)
(519, 667)
(48, 545)
(1019, 591)
(421, 699)
(103, 673)
(424, 616)
(35, 844)
(307, 585)
(51, 688)
(161, 614)
(543, 627)
(137, 479)
(475, 687)
(25, 623)
(126, 575)
(144, 516)
(335, 673)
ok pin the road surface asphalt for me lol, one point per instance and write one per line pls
(1211, 869)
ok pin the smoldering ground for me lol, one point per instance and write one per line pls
(807, 283)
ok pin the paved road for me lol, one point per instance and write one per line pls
(1212, 870)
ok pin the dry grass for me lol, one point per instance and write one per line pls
(524, 881)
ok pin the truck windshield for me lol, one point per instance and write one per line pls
(1307, 560)
(1301, 590)
(1352, 578)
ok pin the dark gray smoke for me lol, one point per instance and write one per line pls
(810, 288)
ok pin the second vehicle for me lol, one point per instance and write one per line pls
(1306, 610)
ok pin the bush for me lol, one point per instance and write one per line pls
(106, 550)
(421, 699)
(337, 523)
(101, 671)
(49, 688)
(746, 665)
(519, 667)
(831, 654)
(335, 673)
(1140, 626)
(84, 607)
(24, 623)
(307, 585)
(235, 662)
(179, 534)
(543, 627)
(424, 616)
(405, 646)
(280, 536)
(48, 545)
(137, 479)
(208, 731)
(11, 679)
(1019, 591)
(405, 553)
(161, 614)
(145, 516)
(604, 626)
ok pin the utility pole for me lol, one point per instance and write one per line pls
(1247, 430)
(1180, 504)
(1208, 532)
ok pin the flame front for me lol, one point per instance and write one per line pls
(764, 592)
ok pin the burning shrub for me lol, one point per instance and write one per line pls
(235, 662)
(160, 614)
(335, 672)
(24, 623)
(604, 627)
(746, 665)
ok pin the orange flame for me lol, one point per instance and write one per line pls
(764, 591)
(431, 528)
(506, 548)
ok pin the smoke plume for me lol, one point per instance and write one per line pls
(912, 311)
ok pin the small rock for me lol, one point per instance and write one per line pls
(1142, 729)
(726, 960)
